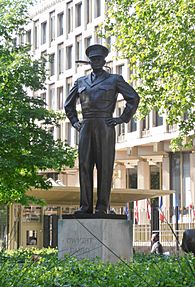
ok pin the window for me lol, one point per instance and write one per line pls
(108, 43)
(60, 102)
(69, 57)
(43, 32)
(132, 177)
(186, 194)
(68, 84)
(61, 58)
(97, 8)
(59, 132)
(146, 123)
(79, 47)
(69, 17)
(78, 14)
(98, 40)
(52, 64)
(21, 39)
(52, 97)
(28, 37)
(14, 41)
(154, 177)
(157, 119)
(89, 11)
(120, 128)
(31, 237)
(44, 58)
(51, 130)
(43, 97)
(36, 34)
(132, 126)
(52, 26)
(60, 24)
(88, 41)
(180, 179)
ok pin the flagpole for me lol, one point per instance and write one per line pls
(177, 226)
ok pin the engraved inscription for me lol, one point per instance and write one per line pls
(80, 246)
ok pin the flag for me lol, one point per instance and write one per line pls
(161, 214)
(191, 211)
(148, 210)
(127, 210)
(193, 215)
(136, 214)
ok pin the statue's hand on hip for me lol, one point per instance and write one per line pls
(77, 126)
(114, 121)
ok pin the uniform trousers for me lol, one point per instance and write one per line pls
(96, 148)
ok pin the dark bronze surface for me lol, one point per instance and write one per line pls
(97, 93)
(94, 216)
(188, 241)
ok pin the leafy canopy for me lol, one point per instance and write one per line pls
(157, 37)
(26, 143)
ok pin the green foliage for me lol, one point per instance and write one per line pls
(40, 268)
(158, 37)
(26, 143)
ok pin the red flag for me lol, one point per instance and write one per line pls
(148, 210)
(161, 214)
(194, 214)
(136, 214)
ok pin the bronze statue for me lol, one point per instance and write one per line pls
(98, 95)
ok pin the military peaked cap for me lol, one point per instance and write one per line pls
(96, 50)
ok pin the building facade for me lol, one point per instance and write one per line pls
(61, 31)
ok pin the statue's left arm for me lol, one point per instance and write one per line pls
(132, 100)
(130, 96)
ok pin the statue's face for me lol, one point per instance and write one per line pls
(97, 62)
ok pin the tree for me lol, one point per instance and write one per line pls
(157, 37)
(26, 143)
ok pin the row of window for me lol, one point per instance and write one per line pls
(46, 31)
(63, 59)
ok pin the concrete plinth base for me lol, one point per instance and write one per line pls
(107, 238)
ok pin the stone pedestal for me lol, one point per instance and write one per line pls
(89, 237)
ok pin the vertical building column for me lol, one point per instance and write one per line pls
(192, 176)
(143, 172)
(166, 183)
(119, 176)
(123, 176)
(139, 129)
(11, 227)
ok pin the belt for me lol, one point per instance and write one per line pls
(89, 115)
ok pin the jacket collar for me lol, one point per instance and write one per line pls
(101, 78)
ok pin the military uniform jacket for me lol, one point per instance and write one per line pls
(98, 98)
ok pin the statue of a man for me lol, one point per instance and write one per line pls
(98, 95)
